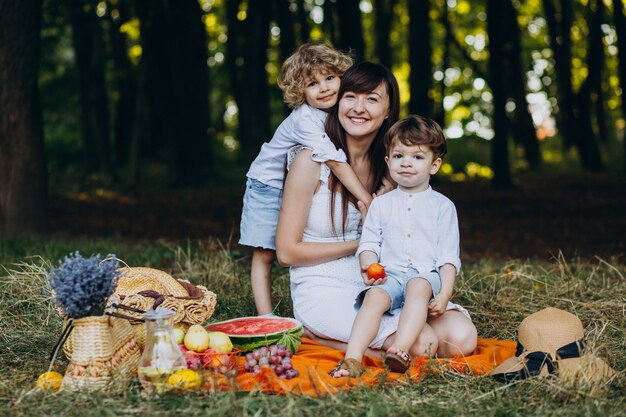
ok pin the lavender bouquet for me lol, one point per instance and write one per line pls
(82, 285)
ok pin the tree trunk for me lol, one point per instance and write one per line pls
(496, 30)
(330, 26)
(383, 10)
(597, 81)
(287, 33)
(88, 41)
(350, 28)
(124, 79)
(587, 143)
(303, 22)
(559, 27)
(620, 29)
(254, 116)
(524, 128)
(439, 111)
(420, 58)
(23, 181)
(234, 49)
(189, 146)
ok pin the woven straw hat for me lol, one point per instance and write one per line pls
(135, 279)
(550, 341)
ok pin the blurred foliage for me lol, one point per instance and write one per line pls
(461, 90)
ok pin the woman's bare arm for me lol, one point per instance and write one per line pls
(300, 185)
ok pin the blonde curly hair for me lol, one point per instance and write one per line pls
(305, 61)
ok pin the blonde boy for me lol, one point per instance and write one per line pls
(310, 80)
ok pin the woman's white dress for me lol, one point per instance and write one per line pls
(323, 295)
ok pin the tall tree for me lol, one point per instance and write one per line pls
(575, 108)
(350, 28)
(330, 26)
(383, 19)
(285, 19)
(304, 31)
(176, 82)
(496, 30)
(186, 47)
(620, 28)
(559, 16)
(420, 58)
(124, 79)
(23, 182)
(88, 41)
(587, 140)
(523, 129)
(253, 103)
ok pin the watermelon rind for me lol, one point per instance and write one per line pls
(291, 338)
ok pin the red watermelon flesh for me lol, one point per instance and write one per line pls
(249, 333)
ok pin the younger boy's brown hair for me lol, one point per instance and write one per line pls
(417, 130)
(305, 61)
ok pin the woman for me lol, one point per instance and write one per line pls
(318, 228)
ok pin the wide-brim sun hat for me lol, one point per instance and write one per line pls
(551, 341)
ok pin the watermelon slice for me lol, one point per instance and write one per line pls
(249, 333)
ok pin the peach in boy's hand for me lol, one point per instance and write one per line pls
(376, 271)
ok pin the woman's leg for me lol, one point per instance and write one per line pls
(456, 333)
(261, 279)
(425, 346)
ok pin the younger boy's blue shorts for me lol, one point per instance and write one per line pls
(261, 205)
(395, 286)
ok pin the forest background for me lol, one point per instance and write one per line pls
(138, 119)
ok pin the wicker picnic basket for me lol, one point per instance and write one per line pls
(102, 350)
(144, 288)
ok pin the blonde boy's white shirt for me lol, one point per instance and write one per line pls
(418, 230)
(304, 126)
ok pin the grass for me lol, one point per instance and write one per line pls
(499, 295)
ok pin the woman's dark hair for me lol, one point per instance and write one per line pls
(363, 78)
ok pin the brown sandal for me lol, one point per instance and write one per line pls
(353, 366)
(397, 362)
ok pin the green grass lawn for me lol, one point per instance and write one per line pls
(499, 295)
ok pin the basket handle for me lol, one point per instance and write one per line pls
(123, 316)
(123, 307)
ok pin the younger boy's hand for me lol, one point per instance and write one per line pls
(438, 306)
(371, 281)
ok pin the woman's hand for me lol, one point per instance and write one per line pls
(385, 187)
(363, 209)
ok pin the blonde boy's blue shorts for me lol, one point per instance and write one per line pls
(395, 286)
(261, 205)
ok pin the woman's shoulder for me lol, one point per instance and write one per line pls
(301, 162)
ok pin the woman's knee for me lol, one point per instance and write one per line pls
(460, 341)
(426, 345)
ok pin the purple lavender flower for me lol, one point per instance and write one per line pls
(82, 285)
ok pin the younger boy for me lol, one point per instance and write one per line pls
(413, 231)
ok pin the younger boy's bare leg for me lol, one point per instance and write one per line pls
(261, 278)
(413, 316)
(365, 325)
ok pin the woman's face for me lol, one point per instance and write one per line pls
(362, 114)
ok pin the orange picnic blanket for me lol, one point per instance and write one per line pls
(313, 361)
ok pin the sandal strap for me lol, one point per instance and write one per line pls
(354, 367)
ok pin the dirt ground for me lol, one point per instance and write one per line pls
(583, 215)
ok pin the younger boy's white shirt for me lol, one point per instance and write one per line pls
(304, 126)
(418, 230)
